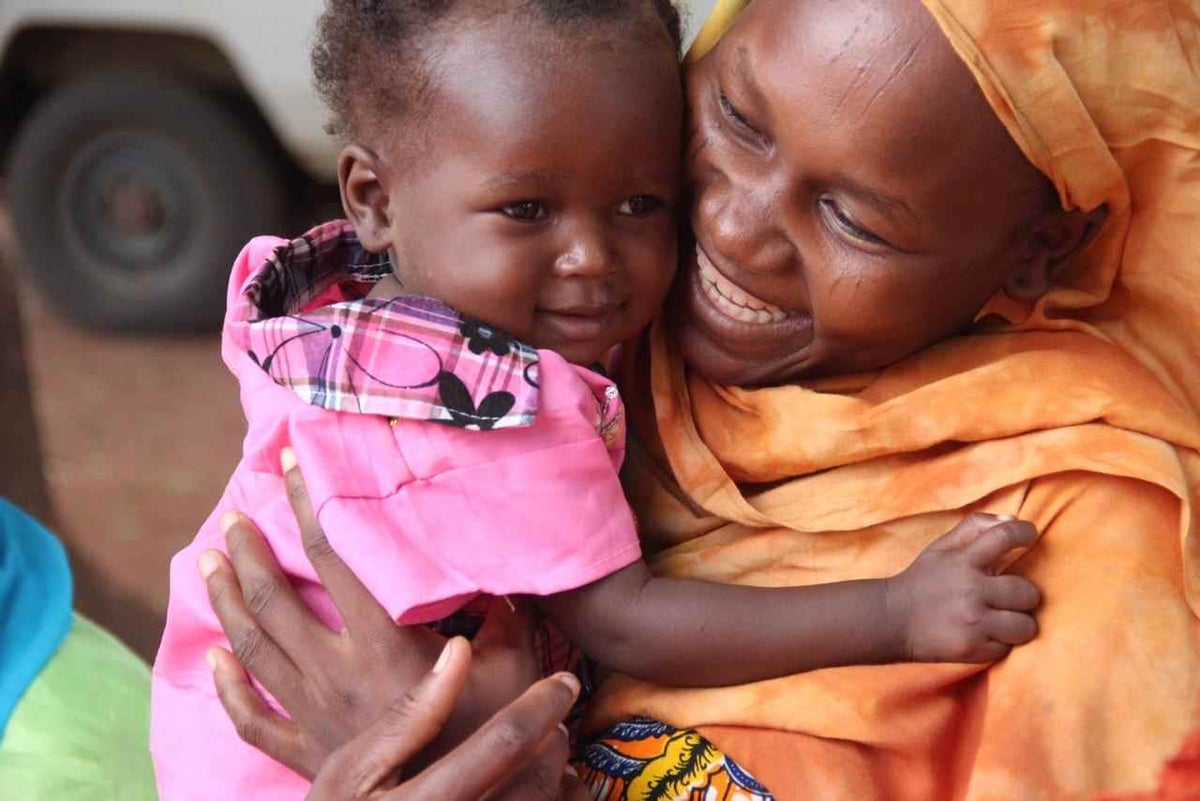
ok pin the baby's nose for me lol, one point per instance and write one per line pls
(588, 254)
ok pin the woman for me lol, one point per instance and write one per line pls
(874, 173)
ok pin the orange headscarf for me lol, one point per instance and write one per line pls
(1079, 414)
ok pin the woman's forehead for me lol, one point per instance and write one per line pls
(850, 56)
(870, 87)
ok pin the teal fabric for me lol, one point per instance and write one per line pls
(35, 603)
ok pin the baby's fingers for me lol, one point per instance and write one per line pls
(968, 530)
(1010, 628)
(991, 651)
(1012, 592)
(999, 540)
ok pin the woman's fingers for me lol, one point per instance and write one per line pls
(359, 610)
(989, 546)
(269, 595)
(542, 778)
(501, 748)
(256, 723)
(1012, 592)
(253, 647)
(374, 758)
(549, 775)
(1010, 628)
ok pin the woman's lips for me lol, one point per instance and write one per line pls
(731, 298)
(741, 323)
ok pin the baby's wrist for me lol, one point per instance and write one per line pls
(897, 618)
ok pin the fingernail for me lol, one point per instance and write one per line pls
(210, 656)
(444, 658)
(228, 520)
(209, 563)
(1006, 518)
(569, 769)
(287, 459)
(571, 681)
(563, 728)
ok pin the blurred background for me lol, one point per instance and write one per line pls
(142, 143)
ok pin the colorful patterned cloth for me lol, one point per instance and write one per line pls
(643, 760)
(375, 397)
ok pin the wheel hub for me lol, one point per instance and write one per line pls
(129, 199)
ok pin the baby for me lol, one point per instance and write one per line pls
(436, 362)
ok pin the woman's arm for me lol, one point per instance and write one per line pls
(947, 606)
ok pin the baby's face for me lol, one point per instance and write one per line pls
(542, 194)
(856, 199)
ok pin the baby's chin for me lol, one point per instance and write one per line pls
(584, 354)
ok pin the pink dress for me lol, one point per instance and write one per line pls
(444, 459)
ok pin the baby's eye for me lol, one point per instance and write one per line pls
(848, 225)
(640, 206)
(526, 210)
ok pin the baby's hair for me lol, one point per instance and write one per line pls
(367, 54)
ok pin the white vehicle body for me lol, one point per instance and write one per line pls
(265, 41)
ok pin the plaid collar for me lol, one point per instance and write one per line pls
(310, 327)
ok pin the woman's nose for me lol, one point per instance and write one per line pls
(587, 254)
(742, 223)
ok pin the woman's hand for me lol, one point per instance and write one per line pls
(949, 606)
(521, 753)
(334, 685)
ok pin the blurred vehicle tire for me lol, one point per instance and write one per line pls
(131, 196)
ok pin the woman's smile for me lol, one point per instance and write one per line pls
(730, 298)
(740, 323)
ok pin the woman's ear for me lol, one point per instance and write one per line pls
(1050, 242)
(364, 197)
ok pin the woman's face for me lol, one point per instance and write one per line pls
(854, 197)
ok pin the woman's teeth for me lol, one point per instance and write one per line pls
(732, 299)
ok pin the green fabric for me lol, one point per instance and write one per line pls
(81, 730)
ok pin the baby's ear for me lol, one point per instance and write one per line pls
(364, 197)
(1048, 244)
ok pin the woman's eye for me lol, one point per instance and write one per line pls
(847, 224)
(526, 210)
(736, 116)
(640, 206)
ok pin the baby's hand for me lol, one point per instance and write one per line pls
(948, 605)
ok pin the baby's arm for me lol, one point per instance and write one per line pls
(947, 606)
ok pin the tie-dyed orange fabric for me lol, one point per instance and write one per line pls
(1079, 414)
